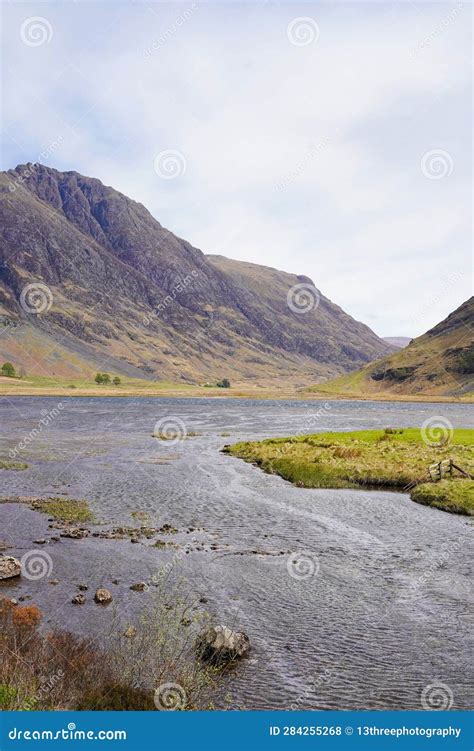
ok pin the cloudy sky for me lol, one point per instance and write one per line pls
(326, 139)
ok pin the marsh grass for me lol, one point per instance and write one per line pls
(64, 509)
(392, 458)
(15, 466)
(456, 495)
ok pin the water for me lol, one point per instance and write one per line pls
(352, 599)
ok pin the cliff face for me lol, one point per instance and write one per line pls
(122, 287)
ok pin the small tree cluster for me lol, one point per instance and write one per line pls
(224, 384)
(8, 370)
(104, 378)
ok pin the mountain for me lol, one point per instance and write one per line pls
(90, 280)
(397, 341)
(441, 362)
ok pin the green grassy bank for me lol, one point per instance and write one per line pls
(391, 458)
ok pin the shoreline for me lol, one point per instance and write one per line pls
(235, 394)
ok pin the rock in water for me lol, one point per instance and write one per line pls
(103, 596)
(220, 644)
(138, 587)
(78, 599)
(9, 567)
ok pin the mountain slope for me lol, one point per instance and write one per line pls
(397, 341)
(124, 293)
(440, 362)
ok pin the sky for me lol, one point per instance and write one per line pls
(331, 140)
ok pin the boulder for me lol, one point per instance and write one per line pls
(9, 567)
(103, 596)
(220, 644)
(78, 599)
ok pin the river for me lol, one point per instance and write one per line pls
(352, 599)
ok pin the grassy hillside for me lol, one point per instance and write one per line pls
(441, 362)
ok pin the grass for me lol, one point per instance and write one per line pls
(64, 509)
(16, 466)
(456, 495)
(371, 458)
(64, 386)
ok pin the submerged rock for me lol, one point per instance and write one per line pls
(103, 596)
(9, 567)
(138, 587)
(78, 600)
(220, 644)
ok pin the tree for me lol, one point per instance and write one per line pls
(99, 378)
(116, 381)
(224, 384)
(8, 370)
(105, 378)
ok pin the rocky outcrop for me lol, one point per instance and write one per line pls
(220, 645)
(10, 567)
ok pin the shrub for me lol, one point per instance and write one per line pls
(116, 381)
(58, 670)
(98, 378)
(224, 384)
